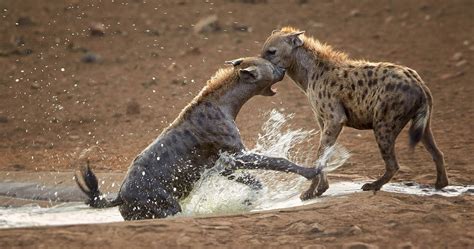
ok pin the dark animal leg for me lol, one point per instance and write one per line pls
(330, 131)
(386, 143)
(430, 145)
(256, 161)
(320, 184)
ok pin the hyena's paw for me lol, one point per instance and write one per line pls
(373, 186)
(441, 183)
(311, 193)
(307, 195)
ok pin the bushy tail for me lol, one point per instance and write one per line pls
(418, 125)
(90, 186)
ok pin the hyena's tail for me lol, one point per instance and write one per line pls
(90, 186)
(419, 123)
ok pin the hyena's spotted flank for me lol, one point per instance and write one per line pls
(359, 94)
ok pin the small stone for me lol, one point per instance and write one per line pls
(76, 48)
(457, 56)
(355, 230)
(424, 7)
(90, 58)
(74, 137)
(152, 32)
(354, 13)
(97, 29)
(172, 67)
(388, 19)
(241, 27)
(358, 245)
(35, 85)
(207, 25)
(471, 48)
(461, 63)
(316, 228)
(3, 119)
(133, 107)
(24, 21)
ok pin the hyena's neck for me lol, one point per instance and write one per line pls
(232, 98)
(307, 68)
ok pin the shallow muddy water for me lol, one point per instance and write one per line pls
(239, 200)
(216, 195)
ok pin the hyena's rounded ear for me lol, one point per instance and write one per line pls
(249, 74)
(294, 39)
(235, 62)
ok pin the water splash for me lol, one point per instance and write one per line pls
(215, 194)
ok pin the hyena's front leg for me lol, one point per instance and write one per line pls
(329, 134)
(247, 160)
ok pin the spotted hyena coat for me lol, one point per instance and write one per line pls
(166, 171)
(359, 94)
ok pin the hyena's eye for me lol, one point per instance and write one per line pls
(271, 51)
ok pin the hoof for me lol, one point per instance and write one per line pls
(371, 187)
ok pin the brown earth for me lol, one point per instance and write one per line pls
(150, 63)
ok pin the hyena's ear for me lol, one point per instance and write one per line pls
(249, 74)
(235, 62)
(294, 39)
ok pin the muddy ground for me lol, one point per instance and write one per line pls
(103, 78)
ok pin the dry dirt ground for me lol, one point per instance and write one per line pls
(69, 85)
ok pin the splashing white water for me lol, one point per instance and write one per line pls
(215, 194)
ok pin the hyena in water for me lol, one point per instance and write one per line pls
(167, 169)
(359, 94)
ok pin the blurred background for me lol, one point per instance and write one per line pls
(105, 77)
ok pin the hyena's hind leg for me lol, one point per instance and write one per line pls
(438, 157)
(385, 134)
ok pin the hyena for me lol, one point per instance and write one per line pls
(167, 169)
(359, 94)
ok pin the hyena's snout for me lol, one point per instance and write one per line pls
(279, 72)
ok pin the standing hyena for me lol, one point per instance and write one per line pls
(167, 169)
(358, 94)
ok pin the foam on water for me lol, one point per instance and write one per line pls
(215, 194)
